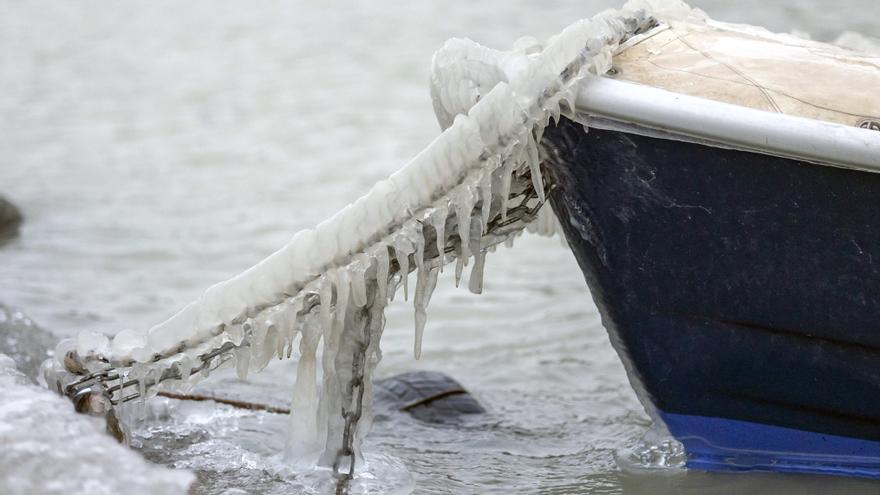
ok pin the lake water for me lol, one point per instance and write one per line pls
(159, 147)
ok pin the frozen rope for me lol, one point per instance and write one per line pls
(477, 185)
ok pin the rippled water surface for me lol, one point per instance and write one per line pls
(159, 147)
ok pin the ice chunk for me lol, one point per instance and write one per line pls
(127, 341)
(49, 448)
(92, 344)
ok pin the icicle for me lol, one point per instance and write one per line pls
(459, 268)
(326, 296)
(303, 442)
(438, 221)
(139, 373)
(298, 328)
(235, 333)
(419, 244)
(476, 232)
(565, 106)
(554, 112)
(539, 130)
(259, 331)
(289, 326)
(486, 200)
(358, 280)
(424, 289)
(330, 401)
(260, 356)
(282, 343)
(393, 285)
(242, 361)
(535, 167)
(506, 178)
(464, 205)
(382, 267)
(475, 284)
(343, 289)
(402, 249)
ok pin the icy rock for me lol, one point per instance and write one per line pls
(50, 449)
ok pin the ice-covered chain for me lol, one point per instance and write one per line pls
(479, 183)
(500, 130)
(121, 388)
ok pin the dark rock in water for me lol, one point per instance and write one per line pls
(24, 341)
(10, 219)
(429, 396)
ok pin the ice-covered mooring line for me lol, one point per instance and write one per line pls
(476, 185)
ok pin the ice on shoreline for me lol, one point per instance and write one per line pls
(47, 448)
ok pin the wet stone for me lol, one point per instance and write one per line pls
(428, 396)
(10, 219)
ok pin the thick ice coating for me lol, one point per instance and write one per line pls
(479, 183)
(44, 441)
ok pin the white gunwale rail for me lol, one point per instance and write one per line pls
(729, 125)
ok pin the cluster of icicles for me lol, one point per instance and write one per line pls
(477, 185)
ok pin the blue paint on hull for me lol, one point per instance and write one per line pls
(734, 285)
(719, 444)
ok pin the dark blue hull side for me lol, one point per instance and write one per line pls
(741, 289)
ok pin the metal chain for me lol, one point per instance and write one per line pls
(358, 372)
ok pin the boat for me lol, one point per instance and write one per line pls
(719, 188)
(716, 183)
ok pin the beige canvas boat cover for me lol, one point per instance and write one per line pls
(752, 67)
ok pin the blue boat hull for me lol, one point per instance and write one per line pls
(741, 290)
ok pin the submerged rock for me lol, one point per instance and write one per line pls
(10, 219)
(428, 396)
(24, 341)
